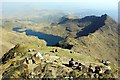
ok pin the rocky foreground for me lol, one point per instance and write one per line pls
(30, 62)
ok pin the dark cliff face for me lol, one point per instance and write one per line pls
(96, 23)
(87, 25)
(83, 26)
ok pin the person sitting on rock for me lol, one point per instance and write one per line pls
(90, 69)
(96, 75)
(100, 71)
(80, 67)
(83, 65)
(76, 64)
(71, 62)
(103, 61)
(14, 55)
(97, 69)
(106, 62)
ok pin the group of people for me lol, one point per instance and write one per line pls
(76, 65)
(97, 70)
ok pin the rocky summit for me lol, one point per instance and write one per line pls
(26, 62)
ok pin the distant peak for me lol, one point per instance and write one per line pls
(71, 17)
(105, 15)
(66, 18)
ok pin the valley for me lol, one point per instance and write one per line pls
(45, 46)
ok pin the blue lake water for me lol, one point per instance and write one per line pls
(50, 39)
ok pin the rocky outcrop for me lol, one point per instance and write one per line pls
(33, 64)
(10, 54)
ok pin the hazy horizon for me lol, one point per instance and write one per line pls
(93, 8)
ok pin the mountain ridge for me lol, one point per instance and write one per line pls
(104, 37)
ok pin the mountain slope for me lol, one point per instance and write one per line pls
(9, 39)
(84, 46)
(98, 39)
(54, 64)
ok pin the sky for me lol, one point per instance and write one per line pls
(100, 4)
(104, 5)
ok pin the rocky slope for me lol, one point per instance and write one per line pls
(8, 39)
(21, 63)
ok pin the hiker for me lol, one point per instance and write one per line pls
(96, 75)
(83, 65)
(54, 50)
(100, 71)
(33, 61)
(71, 62)
(30, 61)
(106, 62)
(14, 55)
(107, 70)
(103, 61)
(71, 52)
(79, 67)
(34, 50)
(76, 64)
(90, 69)
(27, 60)
(97, 69)
(29, 50)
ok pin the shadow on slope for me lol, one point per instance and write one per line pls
(96, 23)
